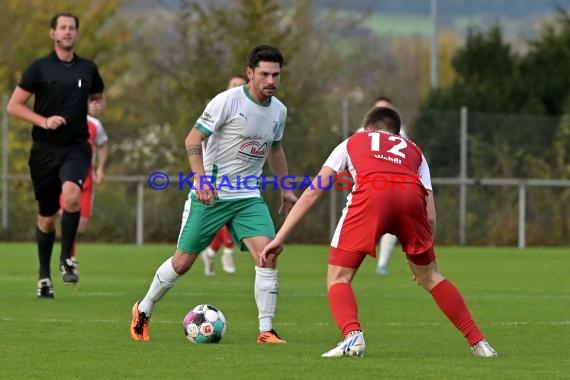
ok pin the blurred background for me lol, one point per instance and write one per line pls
(482, 86)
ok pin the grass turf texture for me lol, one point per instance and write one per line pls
(519, 298)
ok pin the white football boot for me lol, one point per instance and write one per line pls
(483, 349)
(352, 345)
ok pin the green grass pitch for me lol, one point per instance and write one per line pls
(520, 299)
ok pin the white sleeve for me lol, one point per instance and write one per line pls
(214, 115)
(424, 174)
(338, 159)
(100, 134)
(282, 118)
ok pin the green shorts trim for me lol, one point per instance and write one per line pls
(245, 218)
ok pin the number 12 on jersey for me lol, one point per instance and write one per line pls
(396, 149)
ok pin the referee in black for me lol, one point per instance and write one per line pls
(62, 84)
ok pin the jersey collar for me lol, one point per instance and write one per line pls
(54, 56)
(265, 104)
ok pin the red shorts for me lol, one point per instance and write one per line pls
(372, 212)
(87, 196)
(348, 259)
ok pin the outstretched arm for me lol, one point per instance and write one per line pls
(309, 197)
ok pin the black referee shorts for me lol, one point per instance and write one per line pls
(51, 165)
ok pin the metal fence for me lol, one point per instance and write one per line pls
(474, 209)
(127, 210)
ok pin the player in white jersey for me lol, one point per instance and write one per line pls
(244, 127)
(241, 131)
(223, 237)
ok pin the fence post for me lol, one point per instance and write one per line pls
(4, 163)
(433, 45)
(463, 177)
(140, 212)
(522, 215)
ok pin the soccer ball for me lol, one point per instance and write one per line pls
(204, 324)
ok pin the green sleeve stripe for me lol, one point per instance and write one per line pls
(215, 174)
(203, 129)
(276, 142)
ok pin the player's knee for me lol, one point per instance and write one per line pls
(181, 262)
(72, 201)
(71, 196)
(46, 224)
(429, 279)
(338, 275)
(270, 263)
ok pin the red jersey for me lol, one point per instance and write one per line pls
(380, 155)
(97, 135)
(389, 195)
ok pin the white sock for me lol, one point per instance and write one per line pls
(209, 251)
(387, 243)
(228, 251)
(265, 296)
(163, 280)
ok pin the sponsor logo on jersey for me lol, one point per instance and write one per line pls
(250, 138)
(252, 150)
(207, 118)
(388, 158)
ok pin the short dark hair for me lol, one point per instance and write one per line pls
(382, 98)
(53, 22)
(264, 53)
(384, 118)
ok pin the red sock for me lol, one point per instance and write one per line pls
(226, 238)
(451, 303)
(217, 241)
(344, 308)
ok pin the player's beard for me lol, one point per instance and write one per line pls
(268, 91)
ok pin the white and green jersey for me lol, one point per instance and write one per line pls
(240, 133)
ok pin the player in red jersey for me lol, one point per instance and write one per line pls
(223, 237)
(387, 241)
(391, 194)
(98, 142)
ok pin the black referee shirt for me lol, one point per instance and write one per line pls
(62, 88)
